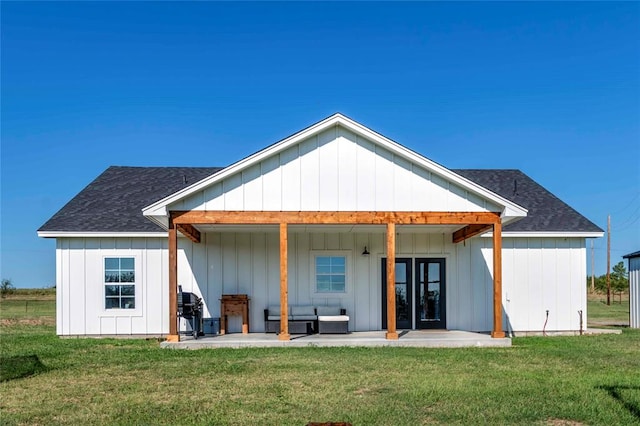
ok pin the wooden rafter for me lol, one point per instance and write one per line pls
(189, 231)
(470, 231)
(331, 217)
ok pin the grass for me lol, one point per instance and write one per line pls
(560, 380)
(600, 314)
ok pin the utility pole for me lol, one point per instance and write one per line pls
(608, 259)
(593, 270)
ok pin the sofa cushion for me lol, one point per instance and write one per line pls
(305, 310)
(328, 310)
(304, 317)
(333, 318)
(274, 310)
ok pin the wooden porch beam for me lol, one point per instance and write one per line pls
(199, 217)
(284, 290)
(470, 231)
(497, 332)
(173, 284)
(189, 231)
(392, 334)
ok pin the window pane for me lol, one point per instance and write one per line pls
(127, 277)
(111, 276)
(324, 286)
(112, 303)
(112, 263)
(323, 279)
(127, 290)
(128, 303)
(337, 261)
(127, 263)
(337, 283)
(323, 269)
(337, 279)
(323, 260)
(337, 269)
(401, 273)
(112, 290)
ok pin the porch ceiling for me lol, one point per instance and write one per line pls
(365, 229)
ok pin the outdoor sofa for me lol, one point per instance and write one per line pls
(306, 319)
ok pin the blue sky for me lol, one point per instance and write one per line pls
(550, 88)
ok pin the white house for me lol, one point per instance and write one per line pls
(317, 219)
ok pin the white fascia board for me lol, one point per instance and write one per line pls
(511, 209)
(547, 234)
(72, 234)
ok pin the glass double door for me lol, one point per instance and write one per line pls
(420, 293)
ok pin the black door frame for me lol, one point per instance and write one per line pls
(408, 261)
(413, 272)
(442, 301)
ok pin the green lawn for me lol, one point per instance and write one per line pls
(555, 380)
(600, 314)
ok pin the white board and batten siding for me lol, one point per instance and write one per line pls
(634, 292)
(538, 274)
(80, 287)
(335, 170)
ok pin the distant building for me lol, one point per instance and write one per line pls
(634, 289)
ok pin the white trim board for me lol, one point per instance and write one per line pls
(547, 234)
(75, 234)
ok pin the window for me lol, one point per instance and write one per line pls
(119, 283)
(331, 274)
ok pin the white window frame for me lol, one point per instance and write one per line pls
(136, 283)
(347, 254)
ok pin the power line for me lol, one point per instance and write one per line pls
(627, 206)
(629, 225)
(631, 218)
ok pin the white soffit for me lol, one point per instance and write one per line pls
(511, 210)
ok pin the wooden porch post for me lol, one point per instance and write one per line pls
(392, 334)
(497, 332)
(173, 283)
(284, 290)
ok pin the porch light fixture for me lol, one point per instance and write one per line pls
(365, 252)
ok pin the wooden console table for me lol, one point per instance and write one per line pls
(234, 304)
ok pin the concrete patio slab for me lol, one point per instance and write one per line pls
(412, 338)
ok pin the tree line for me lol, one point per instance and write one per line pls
(619, 278)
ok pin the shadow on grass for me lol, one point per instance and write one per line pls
(17, 367)
(615, 393)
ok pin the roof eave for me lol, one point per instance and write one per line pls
(99, 234)
(548, 234)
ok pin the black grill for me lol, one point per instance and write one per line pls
(190, 308)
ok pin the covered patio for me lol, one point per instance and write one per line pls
(470, 224)
(406, 338)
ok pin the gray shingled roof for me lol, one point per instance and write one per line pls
(632, 255)
(546, 212)
(113, 202)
